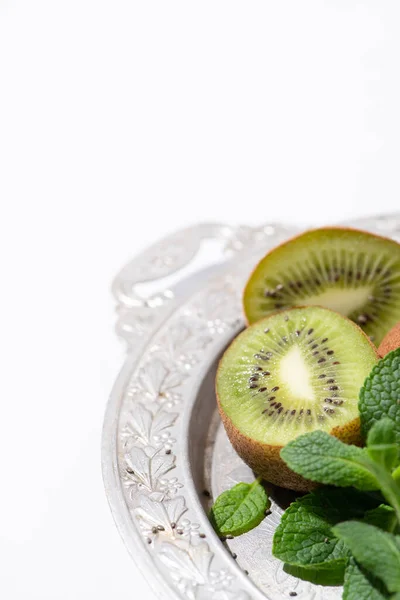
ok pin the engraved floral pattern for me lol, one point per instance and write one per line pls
(148, 445)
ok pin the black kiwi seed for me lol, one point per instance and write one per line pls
(310, 331)
(272, 398)
(253, 386)
(275, 389)
(324, 340)
(333, 387)
(265, 373)
(321, 376)
(263, 389)
(330, 352)
(322, 360)
(330, 381)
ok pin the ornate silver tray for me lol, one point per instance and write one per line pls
(164, 452)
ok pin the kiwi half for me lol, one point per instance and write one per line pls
(352, 272)
(291, 373)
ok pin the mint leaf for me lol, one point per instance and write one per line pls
(374, 549)
(359, 585)
(323, 458)
(304, 536)
(382, 516)
(381, 443)
(239, 509)
(380, 394)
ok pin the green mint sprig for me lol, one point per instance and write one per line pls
(239, 509)
(324, 459)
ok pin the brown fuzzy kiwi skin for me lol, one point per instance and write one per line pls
(265, 460)
(390, 342)
(294, 238)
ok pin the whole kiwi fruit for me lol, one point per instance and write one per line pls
(390, 342)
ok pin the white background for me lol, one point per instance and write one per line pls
(121, 121)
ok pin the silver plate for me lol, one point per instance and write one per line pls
(163, 446)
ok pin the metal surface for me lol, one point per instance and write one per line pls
(163, 448)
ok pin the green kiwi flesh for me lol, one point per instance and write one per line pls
(352, 272)
(293, 372)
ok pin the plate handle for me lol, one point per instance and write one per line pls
(139, 311)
